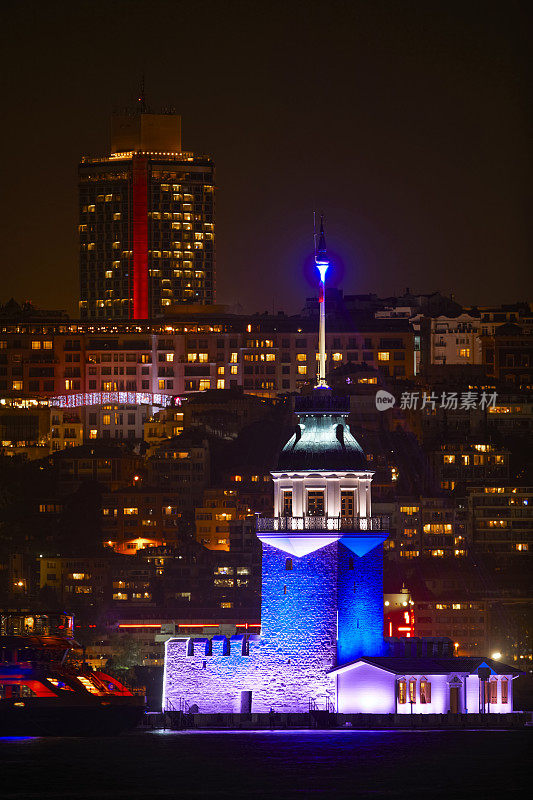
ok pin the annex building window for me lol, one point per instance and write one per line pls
(402, 692)
(425, 691)
(505, 691)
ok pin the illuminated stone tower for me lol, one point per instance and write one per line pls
(322, 573)
(322, 554)
(321, 646)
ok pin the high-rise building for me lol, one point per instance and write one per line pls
(146, 222)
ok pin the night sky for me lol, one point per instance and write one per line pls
(407, 123)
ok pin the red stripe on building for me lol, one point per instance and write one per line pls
(140, 238)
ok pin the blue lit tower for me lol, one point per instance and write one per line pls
(322, 551)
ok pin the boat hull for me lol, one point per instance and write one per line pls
(46, 719)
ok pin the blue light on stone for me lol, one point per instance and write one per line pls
(360, 544)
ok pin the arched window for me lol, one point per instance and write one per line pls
(288, 563)
(493, 690)
(505, 691)
(402, 691)
(412, 690)
(425, 691)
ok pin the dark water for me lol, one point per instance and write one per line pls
(278, 764)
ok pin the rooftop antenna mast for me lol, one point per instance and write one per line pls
(142, 98)
(322, 264)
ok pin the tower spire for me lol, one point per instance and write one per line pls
(322, 264)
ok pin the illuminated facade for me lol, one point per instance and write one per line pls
(146, 222)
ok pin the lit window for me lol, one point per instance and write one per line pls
(302, 369)
(287, 503)
(449, 459)
(161, 384)
(347, 504)
(204, 384)
(192, 356)
(464, 352)
(425, 691)
(220, 370)
(233, 358)
(106, 419)
(409, 510)
(270, 357)
(35, 345)
(337, 356)
(412, 690)
(169, 357)
(466, 460)
(47, 345)
(93, 433)
(17, 386)
(315, 502)
(237, 478)
(234, 369)
(301, 357)
(109, 273)
(130, 511)
(522, 547)
(203, 357)
(383, 355)
(221, 383)
(402, 692)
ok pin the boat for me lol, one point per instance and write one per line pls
(47, 688)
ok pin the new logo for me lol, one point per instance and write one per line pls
(384, 400)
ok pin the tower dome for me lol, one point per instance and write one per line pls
(322, 439)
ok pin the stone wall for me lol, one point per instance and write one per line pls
(360, 604)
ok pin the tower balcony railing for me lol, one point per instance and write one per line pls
(323, 523)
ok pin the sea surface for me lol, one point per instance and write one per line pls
(270, 764)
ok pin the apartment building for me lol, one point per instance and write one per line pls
(146, 222)
(466, 622)
(500, 519)
(458, 464)
(425, 527)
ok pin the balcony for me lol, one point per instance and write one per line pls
(300, 536)
(323, 523)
